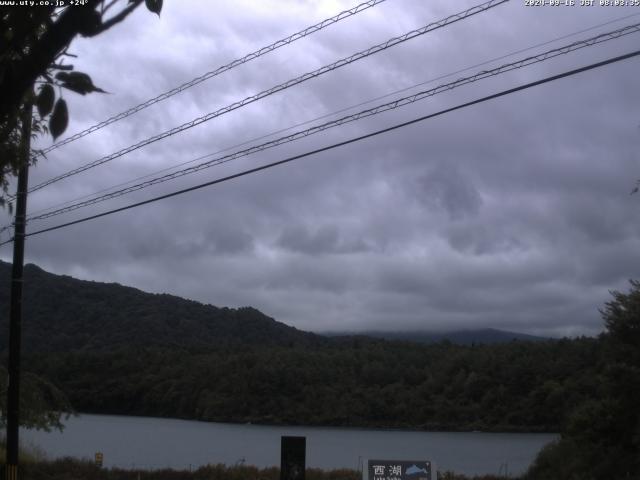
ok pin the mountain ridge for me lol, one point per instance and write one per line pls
(117, 350)
(62, 313)
(485, 336)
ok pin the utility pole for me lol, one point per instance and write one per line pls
(15, 319)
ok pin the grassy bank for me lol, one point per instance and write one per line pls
(29, 454)
(35, 466)
(73, 469)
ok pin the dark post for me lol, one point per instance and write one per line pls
(15, 319)
(293, 458)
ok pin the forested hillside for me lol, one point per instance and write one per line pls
(115, 349)
(62, 313)
(462, 337)
(511, 387)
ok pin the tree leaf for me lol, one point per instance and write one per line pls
(45, 100)
(89, 23)
(59, 119)
(58, 66)
(154, 6)
(78, 82)
(62, 76)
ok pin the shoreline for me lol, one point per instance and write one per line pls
(153, 442)
(433, 429)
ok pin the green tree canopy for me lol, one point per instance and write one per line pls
(602, 438)
(34, 42)
(42, 405)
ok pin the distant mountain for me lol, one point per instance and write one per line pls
(117, 350)
(486, 336)
(62, 313)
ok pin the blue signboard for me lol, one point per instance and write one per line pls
(399, 470)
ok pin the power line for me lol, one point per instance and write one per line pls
(213, 73)
(206, 76)
(289, 83)
(327, 115)
(400, 102)
(343, 143)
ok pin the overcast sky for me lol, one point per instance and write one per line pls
(512, 214)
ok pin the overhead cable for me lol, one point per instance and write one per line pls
(400, 102)
(326, 115)
(290, 83)
(213, 73)
(343, 143)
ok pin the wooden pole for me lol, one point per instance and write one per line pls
(15, 319)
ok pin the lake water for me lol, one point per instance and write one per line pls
(153, 443)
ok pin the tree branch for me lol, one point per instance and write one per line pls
(106, 9)
(117, 18)
(25, 71)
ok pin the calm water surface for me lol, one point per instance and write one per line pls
(153, 443)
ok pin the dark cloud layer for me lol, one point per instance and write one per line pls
(512, 214)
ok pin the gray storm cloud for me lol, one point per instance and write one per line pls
(513, 214)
